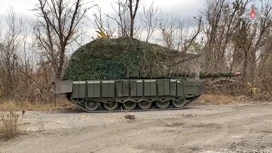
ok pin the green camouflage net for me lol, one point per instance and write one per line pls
(119, 58)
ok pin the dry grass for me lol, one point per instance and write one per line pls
(9, 125)
(265, 96)
(18, 106)
(207, 99)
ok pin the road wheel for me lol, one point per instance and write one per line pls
(110, 106)
(144, 104)
(91, 105)
(179, 103)
(129, 105)
(162, 104)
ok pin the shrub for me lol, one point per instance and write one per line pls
(9, 125)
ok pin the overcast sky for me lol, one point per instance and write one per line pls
(180, 8)
(23, 6)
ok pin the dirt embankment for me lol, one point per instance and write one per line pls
(203, 129)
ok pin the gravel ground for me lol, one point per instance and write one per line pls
(200, 129)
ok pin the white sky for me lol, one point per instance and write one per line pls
(179, 8)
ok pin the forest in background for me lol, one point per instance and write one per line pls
(33, 56)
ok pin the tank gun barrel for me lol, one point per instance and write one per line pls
(204, 75)
(191, 75)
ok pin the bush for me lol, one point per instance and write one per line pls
(9, 125)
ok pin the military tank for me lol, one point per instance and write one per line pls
(127, 74)
(135, 93)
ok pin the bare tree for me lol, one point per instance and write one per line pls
(9, 53)
(187, 35)
(237, 44)
(103, 23)
(126, 11)
(168, 26)
(15, 65)
(150, 20)
(133, 8)
(57, 26)
(177, 34)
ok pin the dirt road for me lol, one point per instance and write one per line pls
(200, 129)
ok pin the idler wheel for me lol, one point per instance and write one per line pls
(91, 105)
(179, 103)
(129, 105)
(144, 104)
(110, 106)
(162, 104)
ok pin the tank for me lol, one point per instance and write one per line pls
(129, 74)
(173, 91)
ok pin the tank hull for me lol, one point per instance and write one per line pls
(131, 94)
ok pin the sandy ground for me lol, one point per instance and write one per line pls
(200, 129)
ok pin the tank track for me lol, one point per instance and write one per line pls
(120, 108)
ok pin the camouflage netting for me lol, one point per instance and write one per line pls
(119, 58)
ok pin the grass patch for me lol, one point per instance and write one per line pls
(28, 106)
(208, 99)
(10, 125)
